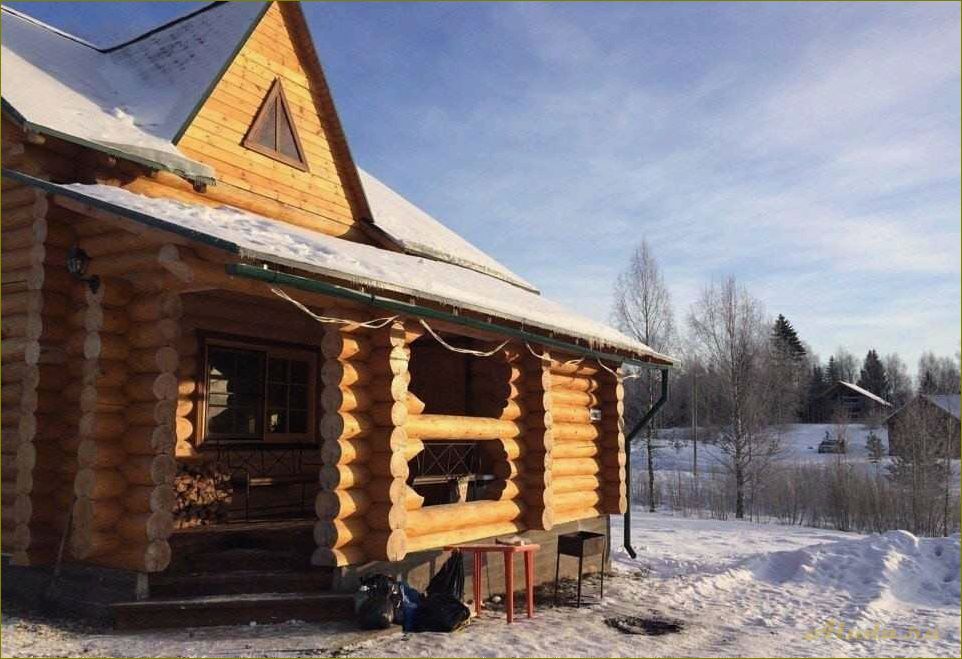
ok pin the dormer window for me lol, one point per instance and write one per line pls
(273, 133)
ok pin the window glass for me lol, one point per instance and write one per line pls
(288, 395)
(234, 392)
(254, 394)
(285, 138)
(265, 132)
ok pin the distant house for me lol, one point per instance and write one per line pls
(944, 411)
(858, 404)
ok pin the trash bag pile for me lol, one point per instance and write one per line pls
(382, 601)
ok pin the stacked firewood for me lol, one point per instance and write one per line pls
(203, 495)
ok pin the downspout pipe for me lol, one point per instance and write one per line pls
(645, 420)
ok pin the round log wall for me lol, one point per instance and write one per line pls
(362, 505)
(39, 452)
(124, 511)
(588, 459)
(539, 442)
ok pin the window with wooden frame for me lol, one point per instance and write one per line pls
(257, 392)
(273, 132)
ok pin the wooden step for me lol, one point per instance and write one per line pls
(229, 560)
(262, 608)
(240, 581)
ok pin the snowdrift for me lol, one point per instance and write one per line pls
(884, 571)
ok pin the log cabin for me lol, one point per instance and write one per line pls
(225, 343)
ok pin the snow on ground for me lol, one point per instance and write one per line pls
(798, 445)
(28, 635)
(741, 589)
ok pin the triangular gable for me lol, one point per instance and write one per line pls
(278, 53)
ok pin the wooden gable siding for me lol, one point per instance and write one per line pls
(327, 190)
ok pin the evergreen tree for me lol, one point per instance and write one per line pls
(785, 340)
(872, 376)
(833, 374)
(787, 369)
(876, 450)
(816, 387)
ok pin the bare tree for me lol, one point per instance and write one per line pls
(642, 309)
(728, 326)
(847, 365)
(938, 375)
(922, 468)
(900, 382)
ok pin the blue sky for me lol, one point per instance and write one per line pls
(812, 150)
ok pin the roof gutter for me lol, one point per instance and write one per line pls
(314, 286)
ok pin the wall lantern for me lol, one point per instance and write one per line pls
(77, 262)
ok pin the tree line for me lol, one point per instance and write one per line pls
(743, 374)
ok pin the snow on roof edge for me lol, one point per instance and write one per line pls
(427, 251)
(417, 232)
(403, 290)
(112, 198)
(865, 392)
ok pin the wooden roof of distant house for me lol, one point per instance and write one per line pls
(947, 403)
(865, 393)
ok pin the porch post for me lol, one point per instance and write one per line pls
(538, 440)
(615, 499)
(362, 508)
(38, 445)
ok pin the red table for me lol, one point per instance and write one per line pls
(508, 551)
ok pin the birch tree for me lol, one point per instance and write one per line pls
(729, 331)
(642, 310)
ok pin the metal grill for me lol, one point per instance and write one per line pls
(446, 461)
(275, 465)
(449, 472)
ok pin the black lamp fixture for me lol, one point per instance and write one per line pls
(77, 262)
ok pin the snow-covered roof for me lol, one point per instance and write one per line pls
(947, 402)
(865, 392)
(133, 99)
(419, 233)
(262, 239)
(137, 97)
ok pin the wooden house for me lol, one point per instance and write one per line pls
(934, 416)
(220, 335)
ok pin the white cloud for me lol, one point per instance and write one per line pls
(819, 163)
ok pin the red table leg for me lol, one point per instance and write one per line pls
(529, 580)
(509, 583)
(477, 582)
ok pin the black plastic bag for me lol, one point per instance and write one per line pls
(441, 612)
(450, 578)
(377, 599)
